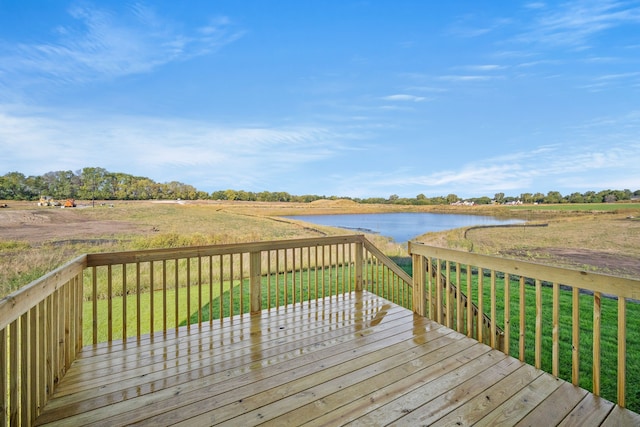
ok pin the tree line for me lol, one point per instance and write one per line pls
(94, 183)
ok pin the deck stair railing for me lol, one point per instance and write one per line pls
(97, 299)
(443, 287)
(570, 323)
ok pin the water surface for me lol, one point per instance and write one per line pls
(402, 226)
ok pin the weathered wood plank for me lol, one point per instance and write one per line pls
(621, 417)
(591, 411)
(521, 403)
(273, 402)
(399, 408)
(554, 408)
(347, 403)
(224, 333)
(356, 359)
(485, 402)
(216, 392)
(445, 403)
(229, 357)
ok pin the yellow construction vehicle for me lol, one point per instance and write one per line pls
(48, 201)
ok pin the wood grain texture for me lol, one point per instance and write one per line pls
(357, 359)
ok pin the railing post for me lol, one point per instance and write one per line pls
(418, 284)
(359, 265)
(255, 282)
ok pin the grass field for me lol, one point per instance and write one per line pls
(580, 207)
(608, 334)
(40, 240)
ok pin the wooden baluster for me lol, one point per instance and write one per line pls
(25, 369)
(493, 309)
(199, 261)
(479, 321)
(12, 371)
(176, 297)
(124, 302)
(151, 319)
(109, 304)
(447, 295)
(523, 305)
(622, 350)
(255, 282)
(507, 314)
(5, 368)
(538, 332)
(221, 285)
(164, 296)
(575, 336)
(94, 304)
(469, 302)
(555, 331)
(138, 302)
(597, 313)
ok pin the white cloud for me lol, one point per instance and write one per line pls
(104, 45)
(486, 67)
(575, 23)
(465, 78)
(404, 97)
(158, 147)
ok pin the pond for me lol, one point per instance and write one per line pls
(403, 226)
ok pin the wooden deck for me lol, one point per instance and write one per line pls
(352, 359)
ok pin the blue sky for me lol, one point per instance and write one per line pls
(334, 97)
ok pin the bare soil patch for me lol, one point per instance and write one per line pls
(606, 243)
(40, 225)
(603, 262)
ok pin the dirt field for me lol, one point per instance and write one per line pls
(607, 242)
(37, 226)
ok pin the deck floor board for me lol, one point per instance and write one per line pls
(354, 359)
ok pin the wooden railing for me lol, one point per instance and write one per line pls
(564, 321)
(99, 298)
(40, 335)
(469, 317)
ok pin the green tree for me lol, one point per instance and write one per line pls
(553, 197)
(575, 198)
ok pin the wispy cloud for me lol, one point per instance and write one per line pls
(467, 27)
(575, 23)
(600, 154)
(103, 44)
(485, 67)
(465, 78)
(543, 169)
(404, 97)
(226, 154)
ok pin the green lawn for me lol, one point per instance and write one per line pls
(308, 286)
(205, 302)
(609, 330)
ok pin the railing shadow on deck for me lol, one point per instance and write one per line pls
(100, 298)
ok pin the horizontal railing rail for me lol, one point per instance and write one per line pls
(100, 298)
(571, 323)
